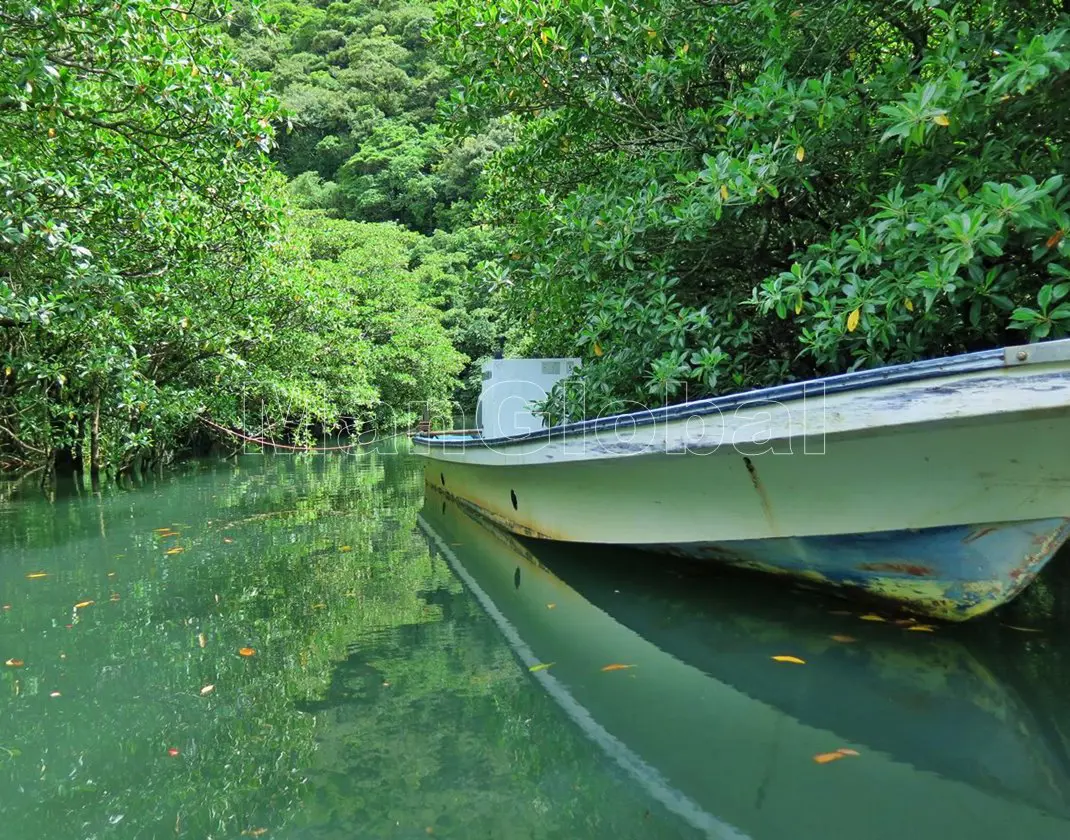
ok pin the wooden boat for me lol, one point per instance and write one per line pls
(709, 726)
(942, 485)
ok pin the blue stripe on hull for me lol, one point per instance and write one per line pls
(953, 573)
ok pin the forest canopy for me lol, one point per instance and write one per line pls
(297, 217)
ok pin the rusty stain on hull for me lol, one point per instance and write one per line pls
(767, 508)
(913, 569)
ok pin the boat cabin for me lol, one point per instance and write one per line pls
(511, 387)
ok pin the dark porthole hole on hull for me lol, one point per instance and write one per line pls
(512, 495)
(443, 508)
(442, 478)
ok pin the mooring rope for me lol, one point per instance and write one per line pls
(290, 447)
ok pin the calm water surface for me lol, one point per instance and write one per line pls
(307, 648)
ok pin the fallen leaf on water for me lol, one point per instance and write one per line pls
(169, 534)
(1024, 629)
(161, 530)
(227, 540)
(81, 604)
(36, 575)
(111, 574)
(54, 694)
(172, 751)
(922, 628)
(542, 666)
(247, 651)
(208, 689)
(551, 606)
(253, 832)
(14, 663)
(845, 751)
(793, 659)
(114, 596)
(825, 758)
(176, 550)
(839, 637)
(201, 640)
(871, 617)
(616, 667)
(7, 606)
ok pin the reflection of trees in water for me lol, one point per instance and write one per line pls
(458, 736)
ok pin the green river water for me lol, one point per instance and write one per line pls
(306, 647)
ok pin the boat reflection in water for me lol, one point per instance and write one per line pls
(952, 739)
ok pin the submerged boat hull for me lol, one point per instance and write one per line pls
(946, 493)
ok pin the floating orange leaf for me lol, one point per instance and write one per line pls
(616, 666)
(840, 637)
(247, 651)
(201, 640)
(82, 604)
(14, 663)
(922, 628)
(792, 659)
(208, 689)
(176, 550)
(542, 666)
(825, 758)
(36, 575)
(172, 751)
(872, 617)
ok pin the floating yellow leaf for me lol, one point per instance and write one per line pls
(922, 628)
(542, 666)
(208, 689)
(36, 575)
(793, 659)
(871, 617)
(247, 651)
(909, 304)
(852, 320)
(825, 758)
(597, 349)
(941, 119)
(617, 667)
(839, 637)
(82, 604)
(551, 606)
(14, 663)
(724, 192)
(800, 154)
(201, 640)
(176, 550)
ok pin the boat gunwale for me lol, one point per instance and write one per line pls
(860, 380)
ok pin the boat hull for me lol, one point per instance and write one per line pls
(946, 495)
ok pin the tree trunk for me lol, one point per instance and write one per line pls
(94, 437)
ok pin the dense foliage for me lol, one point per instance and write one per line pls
(362, 87)
(709, 195)
(149, 274)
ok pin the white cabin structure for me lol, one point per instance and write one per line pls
(511, 387)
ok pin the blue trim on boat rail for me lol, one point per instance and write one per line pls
(854, 381)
